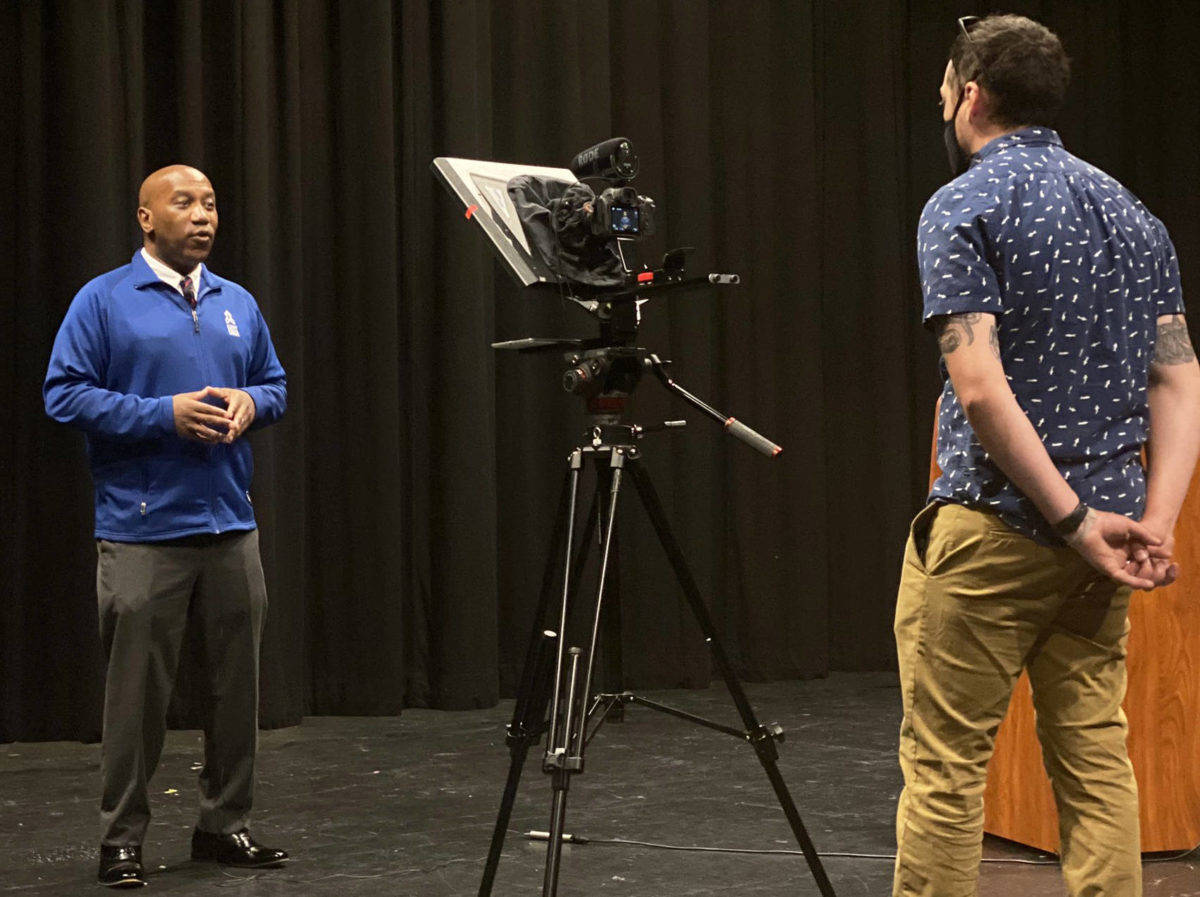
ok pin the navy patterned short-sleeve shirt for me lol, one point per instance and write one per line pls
(1076, 271)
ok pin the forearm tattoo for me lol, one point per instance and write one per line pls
(957, 330)
(1173, 345)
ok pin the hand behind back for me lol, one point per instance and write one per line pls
(1126, 551)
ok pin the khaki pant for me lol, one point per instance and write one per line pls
(978, 603)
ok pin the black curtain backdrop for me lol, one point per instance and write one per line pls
(406, 500)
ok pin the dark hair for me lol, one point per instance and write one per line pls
(1020, 63)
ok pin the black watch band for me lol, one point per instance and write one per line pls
(1071, 522)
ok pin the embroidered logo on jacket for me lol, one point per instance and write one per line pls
(231, 324)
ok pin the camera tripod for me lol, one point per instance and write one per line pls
(554, 694)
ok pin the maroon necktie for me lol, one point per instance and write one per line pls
(188, 293)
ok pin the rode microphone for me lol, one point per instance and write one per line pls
(613, 160)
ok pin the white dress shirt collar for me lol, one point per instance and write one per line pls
(170, 276)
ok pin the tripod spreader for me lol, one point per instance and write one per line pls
(734, 426)
(762, 736)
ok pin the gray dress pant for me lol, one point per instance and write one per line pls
(148, 593)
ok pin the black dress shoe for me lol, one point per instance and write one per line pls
(238, 849)
(121, 867)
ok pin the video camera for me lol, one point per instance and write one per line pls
(586, 229)
(618, 210)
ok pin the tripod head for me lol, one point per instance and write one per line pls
(606, 376)
(605, 371)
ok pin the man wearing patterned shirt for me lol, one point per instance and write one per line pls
(1056, 301)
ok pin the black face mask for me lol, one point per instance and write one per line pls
(960, 161)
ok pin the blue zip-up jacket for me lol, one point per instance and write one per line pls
(128, 344)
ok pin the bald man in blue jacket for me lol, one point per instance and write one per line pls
(165, 366)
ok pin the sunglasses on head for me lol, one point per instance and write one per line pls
(965, 24)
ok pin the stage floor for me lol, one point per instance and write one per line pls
(374, 806)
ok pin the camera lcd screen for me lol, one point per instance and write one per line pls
(624, 220)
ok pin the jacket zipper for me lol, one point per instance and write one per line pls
(204, 369)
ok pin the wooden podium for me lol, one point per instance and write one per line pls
(1162, 704)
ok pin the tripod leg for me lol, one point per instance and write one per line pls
(523, 732)
(561, 780)
(617, 468)
(760, 737)
(532, 692)
(565, 747)
(564, 610)
(611, 671)
(515, 766)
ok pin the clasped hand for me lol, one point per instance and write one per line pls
(1128, 552)
(201, 421)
